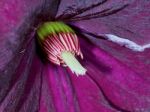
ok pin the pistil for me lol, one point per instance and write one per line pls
(73, 63)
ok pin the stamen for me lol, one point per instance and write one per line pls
(73, 63)
(61, 45)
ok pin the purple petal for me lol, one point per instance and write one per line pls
(85, 9)
(123, 88)
(17, 20)
(126, 83)
(131, 23)
(57, 92)
(111, 83)
(108, 86)
(20, 88)
(63, 91)
(20, 68)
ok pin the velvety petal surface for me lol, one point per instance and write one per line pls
(131, 23)
(17, 21)
(117, 79)
(126, 83)
(123, 88)
(20, 67)
(108, 86)
(70, 93)
(122, 73)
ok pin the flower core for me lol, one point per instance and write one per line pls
(61, 45)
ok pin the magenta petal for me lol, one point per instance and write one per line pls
(123, 87)
(111, 84)
(57, 92)
(90, 96)
(63, 91)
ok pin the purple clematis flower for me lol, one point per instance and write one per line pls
(117, 77)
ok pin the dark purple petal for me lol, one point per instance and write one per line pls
(20, 88)
(76, 8)
(131, 23)
(83, 10)
(20, 68)
(115, 81)
(17, 21)
(124, 88)
(127, 83)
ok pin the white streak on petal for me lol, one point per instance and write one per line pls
(127, 43)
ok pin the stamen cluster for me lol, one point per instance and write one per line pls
(61, 45)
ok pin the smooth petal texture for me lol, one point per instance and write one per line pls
(20, 68)
(125, 78)
(74, 8)
(83, 9)
(63, 91)
(125, 89)
(127, 86)
(118, 80)
(20, 89)
(17, 20)
(108, 86)
(123, 25)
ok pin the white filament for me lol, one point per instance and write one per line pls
(127, 43)
(73, 63)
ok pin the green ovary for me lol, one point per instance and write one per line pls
(49, 28)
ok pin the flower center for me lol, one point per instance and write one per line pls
(61, 45)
